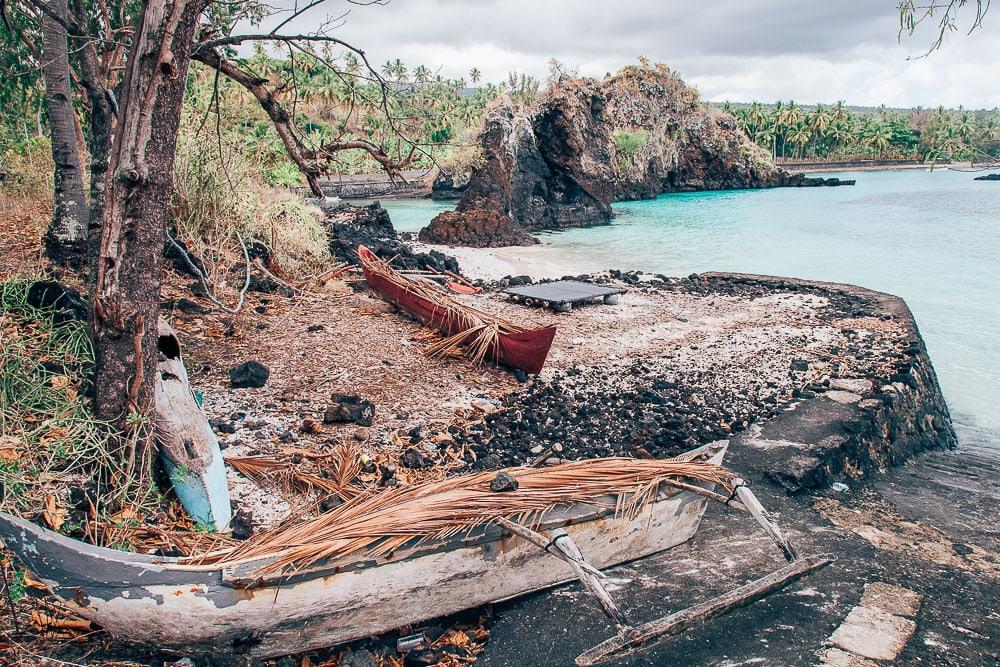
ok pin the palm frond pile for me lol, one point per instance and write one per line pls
(328, 473)
(478, 333)
(377, 525)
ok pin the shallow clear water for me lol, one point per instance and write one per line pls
(932, 238)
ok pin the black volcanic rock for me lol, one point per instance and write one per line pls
(989, 177)
(349, 409)
(350, 226)
(249, 375)
(65, 301)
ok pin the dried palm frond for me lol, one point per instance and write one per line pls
(478, 332)
(284, 472)
(377, 525)
(257, 468)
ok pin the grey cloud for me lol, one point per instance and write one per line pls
(805, 49)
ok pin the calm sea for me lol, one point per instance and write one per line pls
(932, 238)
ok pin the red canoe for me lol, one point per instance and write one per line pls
(524, 349)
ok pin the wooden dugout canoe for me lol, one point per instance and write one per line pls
(526, 350)
(225, 609)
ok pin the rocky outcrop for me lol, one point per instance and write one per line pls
(666, 140)
(988, 177)
(543, 170)
(475, 229)
(560, 164)
(350, 226)
(853, 427)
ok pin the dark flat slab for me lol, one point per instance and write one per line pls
(563, 292)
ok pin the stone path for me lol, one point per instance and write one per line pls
(877, 629)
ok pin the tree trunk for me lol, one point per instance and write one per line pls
(127, 292)
(66, 238)
(101, 123)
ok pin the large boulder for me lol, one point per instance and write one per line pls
(475, 229)
(547, 169)
(351, 226)
(666, 140)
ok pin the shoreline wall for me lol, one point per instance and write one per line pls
(850, 433)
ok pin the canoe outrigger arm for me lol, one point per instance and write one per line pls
(633, 639)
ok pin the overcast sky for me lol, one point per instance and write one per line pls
(740, 50)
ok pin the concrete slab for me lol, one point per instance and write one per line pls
(891, 599)
(835, 657)
(845, 397)
(853, 385)
(873, 633)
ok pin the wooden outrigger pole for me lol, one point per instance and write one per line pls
(633, 639)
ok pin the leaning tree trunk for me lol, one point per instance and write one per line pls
(127, 291)
(66, 238)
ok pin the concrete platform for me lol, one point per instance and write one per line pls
(563, 295)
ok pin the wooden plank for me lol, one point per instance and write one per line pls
(648, 635)
(758, 512)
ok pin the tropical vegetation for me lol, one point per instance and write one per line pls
(836, 132)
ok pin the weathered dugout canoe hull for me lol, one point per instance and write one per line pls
(219, 610)
(527, 350)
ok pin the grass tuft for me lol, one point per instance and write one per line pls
(55, 461)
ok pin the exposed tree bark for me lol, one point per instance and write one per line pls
(127, 292)
(66, 238)
(101, 111)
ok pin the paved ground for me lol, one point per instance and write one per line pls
(929, 528)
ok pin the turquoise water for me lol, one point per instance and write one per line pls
(932, 238)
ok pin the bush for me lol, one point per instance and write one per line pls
(628, 144)
(221, 195)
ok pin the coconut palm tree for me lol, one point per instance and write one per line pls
(475, 75)
(800, 136)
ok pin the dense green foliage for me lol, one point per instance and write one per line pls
(421, 111)
(628, 144)
(789, 130)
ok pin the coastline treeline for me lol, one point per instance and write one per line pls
(438, 115)
(836, 132)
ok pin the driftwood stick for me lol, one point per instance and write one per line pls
(707, 493)
(649, 634)
(758, 512)
(542, 458)
(542, 543)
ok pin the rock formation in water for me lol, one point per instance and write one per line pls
(560, 164)
(349, 226)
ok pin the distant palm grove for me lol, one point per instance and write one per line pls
(789, 130)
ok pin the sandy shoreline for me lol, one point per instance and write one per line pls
(538, 261)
